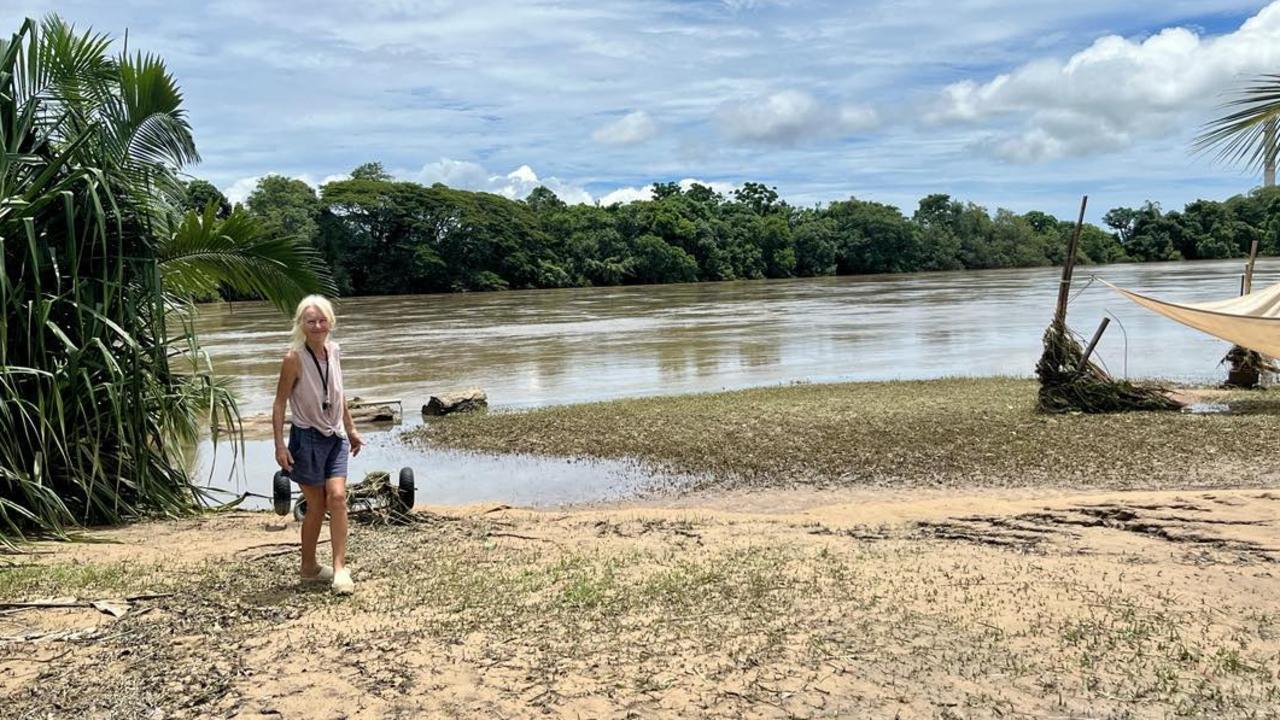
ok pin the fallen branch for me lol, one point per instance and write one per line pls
(62, 602)
(59, 656)
(518, 537)
(282, 548)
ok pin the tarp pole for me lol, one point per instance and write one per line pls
(1248, 269)
(1068, 266)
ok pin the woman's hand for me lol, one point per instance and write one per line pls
(284, 458)
(356, 442)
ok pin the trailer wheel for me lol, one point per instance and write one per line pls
(280, 492)
(405, 489)
(300, 510)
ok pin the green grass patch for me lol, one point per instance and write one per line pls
(918, 433)
(78, 579)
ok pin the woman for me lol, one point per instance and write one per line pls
(316, 456)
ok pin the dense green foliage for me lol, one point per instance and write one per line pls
(383, 236)
(102, 383)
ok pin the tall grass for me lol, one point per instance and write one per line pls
(102, 381)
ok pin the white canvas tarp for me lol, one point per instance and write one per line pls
(1251, 321)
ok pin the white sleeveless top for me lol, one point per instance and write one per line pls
(308, 395)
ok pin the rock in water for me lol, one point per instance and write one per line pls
(460, 401)
(374, 414)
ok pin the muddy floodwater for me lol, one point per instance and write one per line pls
(541, 347)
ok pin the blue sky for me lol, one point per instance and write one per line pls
(1024, 105)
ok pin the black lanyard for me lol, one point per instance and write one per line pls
(324, 376)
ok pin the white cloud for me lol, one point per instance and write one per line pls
(789, 117)
(237, 191)
(516, 184)
(630, 129)
(858, 119)
(724, 188)
(627, 195)
(1115, 92)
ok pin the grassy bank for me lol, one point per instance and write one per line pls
(953, 432)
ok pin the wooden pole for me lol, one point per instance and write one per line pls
(1248, 269)
(1097, 335)
(1068, 267)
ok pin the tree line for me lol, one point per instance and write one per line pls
(385, 236)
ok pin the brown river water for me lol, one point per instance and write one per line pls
(544, 347)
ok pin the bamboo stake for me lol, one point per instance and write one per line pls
(1068, 267)
(1248, 269)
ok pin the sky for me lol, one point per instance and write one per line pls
(1017, 104)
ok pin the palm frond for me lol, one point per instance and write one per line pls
(204, 253)
(1245, 134)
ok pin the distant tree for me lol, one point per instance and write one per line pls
(874, 238)
(286, 206)
(1122, 220)
(658, 262)
(662, 191)
(815, 247)
(938, 217)
(702, 194)
(1041, 222)
(542, 200)
(200, 193)
(757, 196)
(1096, 244)
(370, 171)
(775, 244)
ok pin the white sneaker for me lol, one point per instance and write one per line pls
(342, 582)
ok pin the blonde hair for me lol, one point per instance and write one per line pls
(319, 302)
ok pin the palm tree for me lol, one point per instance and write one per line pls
(1246, 133)
(97, 270)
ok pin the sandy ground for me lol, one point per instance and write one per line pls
(858, 603)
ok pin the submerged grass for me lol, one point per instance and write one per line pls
(918, 433)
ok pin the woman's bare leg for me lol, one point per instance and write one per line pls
(336, 499)
(311, 523)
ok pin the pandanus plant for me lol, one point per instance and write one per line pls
(102, 381)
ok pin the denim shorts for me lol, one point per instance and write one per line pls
(316, 456)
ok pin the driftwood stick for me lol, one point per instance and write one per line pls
(1093, 343)
(1068, 267)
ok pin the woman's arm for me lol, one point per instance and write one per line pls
(353, 437)
(288, 376)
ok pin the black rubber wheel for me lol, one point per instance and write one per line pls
(405, 489)
(300, 510)
(281, 490)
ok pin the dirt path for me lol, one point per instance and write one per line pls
(865, 603)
